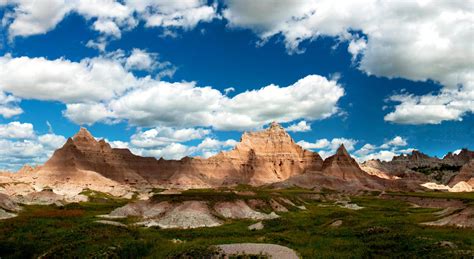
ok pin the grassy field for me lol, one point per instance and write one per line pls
(384, 228)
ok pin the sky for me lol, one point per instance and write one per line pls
(185, 78)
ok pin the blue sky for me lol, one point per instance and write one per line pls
(383, 83)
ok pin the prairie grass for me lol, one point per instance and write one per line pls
(383, 229)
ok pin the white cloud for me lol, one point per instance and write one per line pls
(103, 89)
(162, 136)
(19, 149)
(318, 144)
(432, 109)
(100, 44)
(229, 90)
(384, 155)
(36, 17)
(184, 14)
(416, 40)
(365, 149)
(108, 27)
(9, 105)
(207, 148)
(110, 16)
(88, 80)
(86, 114)
(17, 130)
(118, 144)
(302, 126)
(143, 60)
(312, 97)
(20, 145)
(327, 148)
(396, 141)
(185, 104)
(52, 141)
(171, 151)
(384, 152)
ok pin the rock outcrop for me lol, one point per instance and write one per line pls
(421, 167)
(261, 157)
(465, 175)
(265, 157)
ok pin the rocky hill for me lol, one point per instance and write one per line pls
(267, 157)
(261, 157)
(423, 167)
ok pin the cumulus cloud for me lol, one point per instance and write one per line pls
(326, 147)
(17, 130)
(185, 104)
(104, 89)
(142, 60)
(93, 79)
(181, 14)
(110, 17)
(162, 136)
(365, 150)
(107, 27)
(318, 144)
(385, 152)
(87, 113)
(396, 141)
(171, 151)
(35, 17)
(416, 40)
(19, 145)
(207, 148)
(432, 108)
(52, 141)
(301, 126)
(211, 146)
(9, 105)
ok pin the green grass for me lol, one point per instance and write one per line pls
(467, 197)
(384, 228)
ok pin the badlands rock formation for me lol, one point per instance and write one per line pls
(261, 157)
(341, 172)
(465, 175)
(450, 170)
(266, 157)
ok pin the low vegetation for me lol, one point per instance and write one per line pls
(384, 228)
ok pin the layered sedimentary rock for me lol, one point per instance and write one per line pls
(261, 157)
(421, 167)
(465, 175)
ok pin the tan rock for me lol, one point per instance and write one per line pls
(6, 215)
(256, 226)
(189, 214)
(240, 210)
(466, 174)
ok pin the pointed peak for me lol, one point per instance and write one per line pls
(83, 133)
(275, 126)
(342, 151)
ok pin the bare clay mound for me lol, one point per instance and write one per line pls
(240, 210)
(44, 197)
(143, 209)
(270, 250)
(463, 219)
(189, 214)
(8, 204)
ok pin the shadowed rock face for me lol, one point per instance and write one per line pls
(421, 167)
(261, 157)
(466, 174)
(342, 165)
